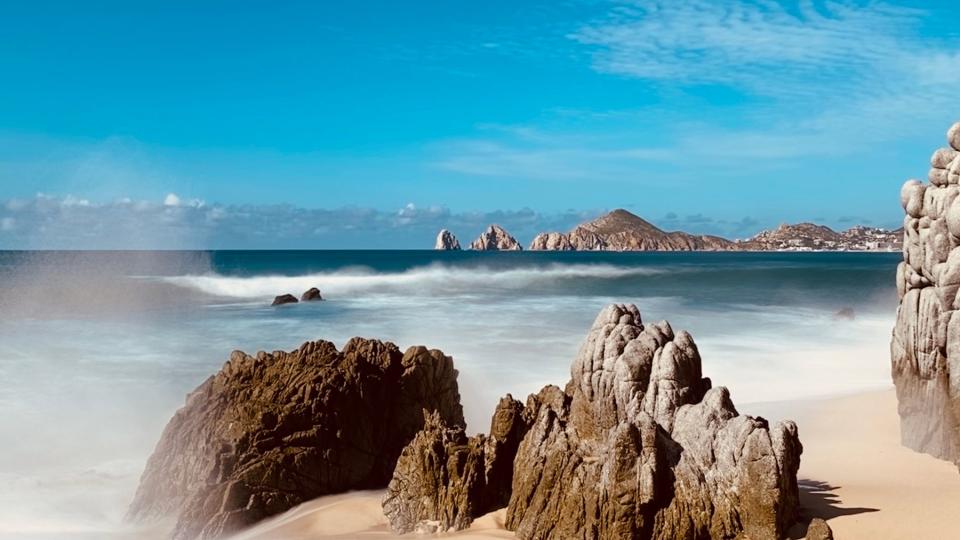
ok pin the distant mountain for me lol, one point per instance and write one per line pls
(812, 237)
(621, 230)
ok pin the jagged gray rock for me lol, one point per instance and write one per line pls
(495, 238)
(446, 241)
(925, 348)
(638, 445)
(271, 431)
(645, 449)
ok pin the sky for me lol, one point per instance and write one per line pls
(374, 124)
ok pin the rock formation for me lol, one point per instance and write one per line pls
(284, 299)
(311, 295)
(638, 445)
(818, 530)
(495, 238)
(444, 479)
(925, 349)
(271, 431)
(621, 230)
(446, 241)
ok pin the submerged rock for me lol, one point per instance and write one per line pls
(447, 241)
(495, 238)
(271, 431)
(311, 295)
(637, 445)
(925, 349)
(846, 313)
(284, 299)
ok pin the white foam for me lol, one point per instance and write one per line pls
(425, 280)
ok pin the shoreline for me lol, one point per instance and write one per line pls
(853, 473)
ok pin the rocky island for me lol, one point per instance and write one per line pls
(446, 241)
(495, 238)
(621, 230)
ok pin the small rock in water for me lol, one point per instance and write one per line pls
(284, 299)
(846, 313)
(819, 530)
(312, 295)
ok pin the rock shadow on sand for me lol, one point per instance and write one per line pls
(820, 500)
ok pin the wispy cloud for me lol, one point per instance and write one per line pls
(744, 42)
(810, 80)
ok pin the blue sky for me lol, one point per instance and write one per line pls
(322, 124)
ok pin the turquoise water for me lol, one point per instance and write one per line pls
(97, 350)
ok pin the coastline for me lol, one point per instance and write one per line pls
(854, 473)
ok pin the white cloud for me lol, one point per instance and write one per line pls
(46, 222)
(171, 200)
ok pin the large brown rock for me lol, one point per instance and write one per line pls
(271, 431)
(638, 445)
(925, 349)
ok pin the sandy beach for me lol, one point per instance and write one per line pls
(854, 473)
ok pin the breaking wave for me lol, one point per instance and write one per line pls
(426, 280)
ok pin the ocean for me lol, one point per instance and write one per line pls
(98, 349)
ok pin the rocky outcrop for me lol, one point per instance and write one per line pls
(819, 530)
(311, 295)
(925, 349)
(621, 230)
(638, 445)
(495, 238)
(446, 241)
(552, 241)
(271, 431)
(284, 299)
(445, 479)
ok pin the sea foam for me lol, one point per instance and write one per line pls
(425, 280)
